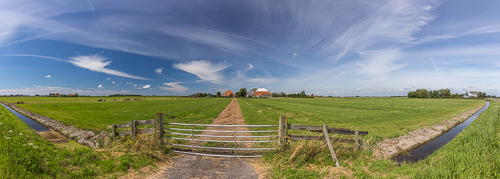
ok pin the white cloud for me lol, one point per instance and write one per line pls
(129, 83)
(108, 78)
(48, 76)
(100, 86)
(146, 86)
(204, 70)
(98, 63)
(175, 87)
(251, 66)
(472, 87)
(158, 70)
(113, 82)
(135, 85)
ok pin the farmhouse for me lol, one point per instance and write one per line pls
(58, 95)
(228, 93)
(472, 94)
(262, 92)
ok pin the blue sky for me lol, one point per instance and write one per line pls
(338, 48)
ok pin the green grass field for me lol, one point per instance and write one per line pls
(24, 154)
(96, 116)
(94, 99)
(381, 117)
(474, 153)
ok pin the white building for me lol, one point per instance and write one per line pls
(472, 94)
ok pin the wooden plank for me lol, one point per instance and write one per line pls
(304, 127)
(312, 128)
(145, 122)
(333, 139)
(332, 131)
(124, 133)
(144, 131)
(305, 137)
(327, 139)
(114, 131)
(134, 128)
(159, 125)
(356, 138)
(282, 131)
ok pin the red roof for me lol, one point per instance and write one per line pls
(228, 93)
(259, 93)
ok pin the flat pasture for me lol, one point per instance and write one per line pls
(96, 116)
(93, 99)
(382, 117)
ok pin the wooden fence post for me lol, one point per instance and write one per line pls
(114, 131)
(327, 139)
(283, 131)
(159, 125)
(356, 140)
(134, 128)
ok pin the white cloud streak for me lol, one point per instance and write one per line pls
(100, 86)
(98, 63)
(146, 86)
(204, 70)
(48, 76)
(174, 86)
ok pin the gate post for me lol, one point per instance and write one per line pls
(283, 131)
(356, 140)
(134, 128)
(114, 131)
(158, 125)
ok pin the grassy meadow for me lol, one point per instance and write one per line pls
(474, 153)
(96, 116)
(381, 117)
(24, 154)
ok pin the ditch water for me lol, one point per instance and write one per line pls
(30, 122)
(428, 148)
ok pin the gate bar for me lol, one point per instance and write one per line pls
(197, 135)
(212, 155)
(211, 125)
(201, 140)
(177, 129)
(220, 148)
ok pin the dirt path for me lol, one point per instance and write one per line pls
(191, 166)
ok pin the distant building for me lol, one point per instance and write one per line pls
(262, 92)
(58, 95)
(228, 93)
(70, 95)
(472, 94)
(249, 94)
(314, 95)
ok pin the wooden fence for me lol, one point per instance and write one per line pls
(284, 126)
(158, 121)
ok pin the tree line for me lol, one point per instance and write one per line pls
(442, 93)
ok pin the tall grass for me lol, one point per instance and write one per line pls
(24, 154)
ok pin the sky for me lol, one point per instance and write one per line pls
(325, 47)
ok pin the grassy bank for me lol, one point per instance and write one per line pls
(382, 117)
(24, 154)
(97, 116)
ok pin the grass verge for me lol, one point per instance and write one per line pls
(24, 154)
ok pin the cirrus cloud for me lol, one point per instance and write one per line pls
(98, 63)
(175, 87)
(204, 70)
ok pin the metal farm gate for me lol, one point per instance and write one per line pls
(196, 141)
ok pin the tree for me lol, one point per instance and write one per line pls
(254, 89)
(75, 95)
(243, 92)
(275, 94)
(218, 93)
(445, 93)
(303, 93)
